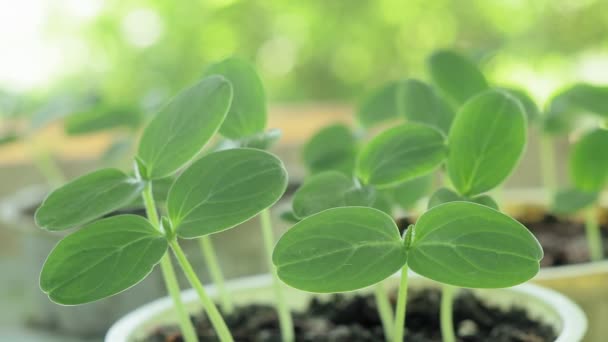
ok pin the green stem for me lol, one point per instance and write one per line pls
(216, 273)
(213, 313)
(169, 273)
(285, 320)
(547, 165)
(399, 325)
(446, 314)
(594, 238)
(385, 310)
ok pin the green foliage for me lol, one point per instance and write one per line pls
(183, 127)
(457, 78)
(102, 259)
(87, 198)
(569, 106)
(400, 154)
(247, 114)
(530, 107)
(487, 138)
(340, 249)
(588, 165)
(471, 245)
(422, 104)
(99, 119)
(381, 105)
(407, 194)
(330, 189)
(224, 189)
(569, 201)
(8, 138)
(332, 148)
(444, 195)
(261, 141)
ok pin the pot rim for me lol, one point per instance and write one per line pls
(574, 321)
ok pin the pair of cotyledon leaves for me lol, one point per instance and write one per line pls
(217, 192)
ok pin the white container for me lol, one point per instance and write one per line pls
(542, 304)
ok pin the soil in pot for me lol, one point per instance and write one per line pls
(355, 318)
(563, 240)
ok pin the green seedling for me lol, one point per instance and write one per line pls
(216, 192)
(589, 175)
(411, 150)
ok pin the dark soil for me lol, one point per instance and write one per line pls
(563, 240)
(354, 319)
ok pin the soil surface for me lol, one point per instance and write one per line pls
(563, 240)
(355, 318)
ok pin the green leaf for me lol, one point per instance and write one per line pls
(87, 198)
(588, 165)
(400, 154)
(421, 104)
(289, 217)
(569, 201)
(530, 107)
(332, 148)
(382, 104)
(100, 119)
(443, 195)
(102, 259)
(340, 249)
(9, 138)
(470, 245)
(571, 105)
(247, 115)
(458, 78)
(261, 141)
(56, 109)
(118, 150)
(183, 127)
(329, 189)
(406, 195)
(487, 139)
(224, 189)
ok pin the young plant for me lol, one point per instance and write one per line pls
(215, 193)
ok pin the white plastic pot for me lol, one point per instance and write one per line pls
(548, 306)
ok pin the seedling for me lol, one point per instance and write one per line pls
(389, 159)
(216, 192)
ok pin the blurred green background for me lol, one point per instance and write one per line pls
(142, 51)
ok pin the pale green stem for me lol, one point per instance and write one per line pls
(399, 325)
(213, 313)
(285, 320)
(216, 273)
(385, 310)
(168, 272)
(594, 238)
(547, 166)
(446, 313)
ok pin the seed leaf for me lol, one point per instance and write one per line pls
(486, 141)
(99, 119)
(572, 104)
(87, 198)
(329, 189)
(569, 201)
(181, 129)
(340, 249)
(406, 195)
(444, 195)
(332, 148)
(588, 165)
(421, 104)
(382, 104)
(224, 189)
(530, 107)
(102, 259)
(470, 245)
(247, 115)
(457, 77)
(400, 154)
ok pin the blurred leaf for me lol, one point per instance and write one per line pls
(340, 249)
(526, 101)
(421, 104)
(406, 195)
(183, 127)
(289, 217)
(224, 189)
(87, 198)
(569, 105)
(100, 119)
(588, 164)
(247, 114)
(400, 154)
(486, 141)
(382, 104)
(458, 78)
(9, 138)
(55, 109)
(102, 259)
(332, 148)
(469, 245)
(119, 149)
(261, 141)
(569, 201)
